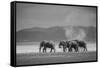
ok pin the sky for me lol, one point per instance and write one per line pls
(45, 16)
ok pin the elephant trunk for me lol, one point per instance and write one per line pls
(40, 49)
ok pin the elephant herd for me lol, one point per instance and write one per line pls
(70, 46)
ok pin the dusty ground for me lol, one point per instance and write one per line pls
(42, 58)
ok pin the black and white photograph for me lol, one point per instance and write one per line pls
(52, 33)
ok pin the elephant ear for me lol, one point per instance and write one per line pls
(70, 42)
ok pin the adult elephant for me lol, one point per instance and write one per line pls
(81, 44)
(73, 45)
(45, 44)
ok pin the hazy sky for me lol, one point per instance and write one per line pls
(38, 15)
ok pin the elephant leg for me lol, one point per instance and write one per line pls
(63, 49)
(51, 50)
(40, 49)
(66, 50)
(70, 49)
(85, 49)
(81, 49)
(54, 49)
(44, 50)
(76, 49)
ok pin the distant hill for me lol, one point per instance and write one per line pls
(37, 34)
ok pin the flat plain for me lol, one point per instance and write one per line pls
(58, 57)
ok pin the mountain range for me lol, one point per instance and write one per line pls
(57, 33)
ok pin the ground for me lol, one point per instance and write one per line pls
(58, 57)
